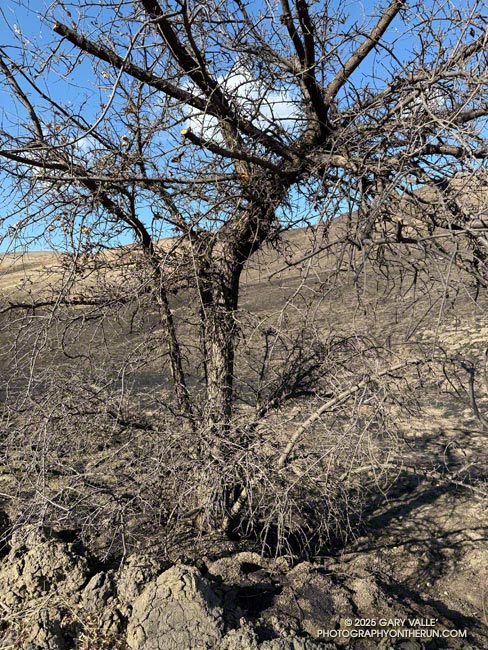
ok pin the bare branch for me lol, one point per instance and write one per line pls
(362, 52)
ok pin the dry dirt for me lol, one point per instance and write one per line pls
(420, 552)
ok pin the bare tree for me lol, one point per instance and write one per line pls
(225, 125)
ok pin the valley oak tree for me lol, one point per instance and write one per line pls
(170, 142)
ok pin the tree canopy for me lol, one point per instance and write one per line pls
(160, 145)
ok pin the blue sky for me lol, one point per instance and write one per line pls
(22, 27)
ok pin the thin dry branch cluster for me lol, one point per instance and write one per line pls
(201, 135)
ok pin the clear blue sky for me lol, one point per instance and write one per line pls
(22, 27)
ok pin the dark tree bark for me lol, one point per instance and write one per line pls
(219, 291)
(381, 136)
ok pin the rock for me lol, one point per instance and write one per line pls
(40, 565)
(245, 566)
(180, 609)
(39, 630)
(50, 601)
(308, 602)
(292, 644)
(99, 592)
(366, 595)
(248, 583)
(99, 602)
(243, 638)
(40, 578)
(46, 632)
(131, 579)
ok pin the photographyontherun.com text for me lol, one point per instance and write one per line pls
(393, 628)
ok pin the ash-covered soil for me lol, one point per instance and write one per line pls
(411, 570)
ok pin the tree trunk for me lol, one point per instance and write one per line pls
(220, 294)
